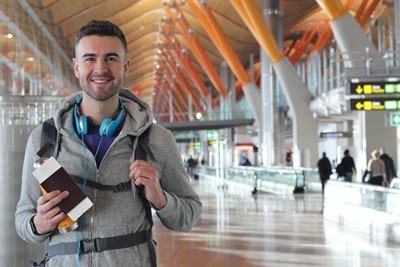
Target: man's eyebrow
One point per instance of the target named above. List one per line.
(94, 55)
(89, 55)
(112, 54)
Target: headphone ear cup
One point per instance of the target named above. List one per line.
(109, 126)
(105, 127)
(82, 125)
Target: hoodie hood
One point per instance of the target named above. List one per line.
(138, 113)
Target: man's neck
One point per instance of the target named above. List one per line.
(96, 110)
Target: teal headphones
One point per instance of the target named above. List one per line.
(107, 127)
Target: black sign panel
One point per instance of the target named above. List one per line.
(371, 104)
(334, 134)
(374, 88)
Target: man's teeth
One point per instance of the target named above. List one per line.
(100, 81)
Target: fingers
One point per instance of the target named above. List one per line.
(141, 170)
(49, 200)
(143, 173)
(48, 211)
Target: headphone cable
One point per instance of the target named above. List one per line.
(85, 178)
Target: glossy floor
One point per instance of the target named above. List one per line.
(237, 229)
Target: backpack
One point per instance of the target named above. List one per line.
(49, 147)
(340, 170)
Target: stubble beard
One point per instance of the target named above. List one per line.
(103, 95)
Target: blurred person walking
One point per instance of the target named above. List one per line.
(377, 170)
(348, 166)
(324, 170)
(389, 165)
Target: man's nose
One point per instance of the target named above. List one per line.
(101, 66)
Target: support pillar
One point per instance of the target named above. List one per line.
(397, 29)
(350, 37)
(272, 133)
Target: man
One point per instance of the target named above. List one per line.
(324, 170)
(348, 166)
(100, 130)
(192, 164)
(389, 165)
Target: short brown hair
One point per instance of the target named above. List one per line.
(101, 28)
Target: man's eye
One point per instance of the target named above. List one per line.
(111, 59)
(89, 59)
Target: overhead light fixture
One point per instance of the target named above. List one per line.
(9, 35)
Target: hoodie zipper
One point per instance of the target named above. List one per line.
(91, 221)
(90, 262)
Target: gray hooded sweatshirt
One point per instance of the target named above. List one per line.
(112, 214)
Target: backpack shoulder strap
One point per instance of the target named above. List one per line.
(143, 150)
(49, 139)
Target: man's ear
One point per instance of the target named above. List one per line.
(126, 68)
(75, 64)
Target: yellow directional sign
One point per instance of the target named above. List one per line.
(368, 104)
(374, 88)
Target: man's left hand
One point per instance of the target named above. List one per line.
(143, 173)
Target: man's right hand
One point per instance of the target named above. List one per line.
(48, 213)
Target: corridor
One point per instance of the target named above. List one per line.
(237, 229)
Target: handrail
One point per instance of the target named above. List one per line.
(395, 183)
(368, 196)
(264, 178)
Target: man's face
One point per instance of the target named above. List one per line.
(100, 65)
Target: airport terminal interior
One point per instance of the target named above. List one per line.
(254, 92)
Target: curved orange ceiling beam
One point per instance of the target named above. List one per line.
(207, 19)
(186, 63)
(309, 36)
(254, 21)
(182, 79)
(360, 11)
(298, 46)
(288, 49)
(184, 82)
(178, 94)
(173, 68)
(324, 36)
(333, 8)
(366, 16)
(192, 73)
(198, 51)
(179, 109)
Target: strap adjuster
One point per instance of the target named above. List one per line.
(89, 245)
(123, 187)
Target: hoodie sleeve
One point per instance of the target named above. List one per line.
(183, 204)
(30, 192)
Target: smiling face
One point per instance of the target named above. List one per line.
(100, 65)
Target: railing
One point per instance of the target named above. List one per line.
(395, 183)
(329, 70)
(369, 208)
(365, 207)
(271, 179)
(372, 197)
(26, 110)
